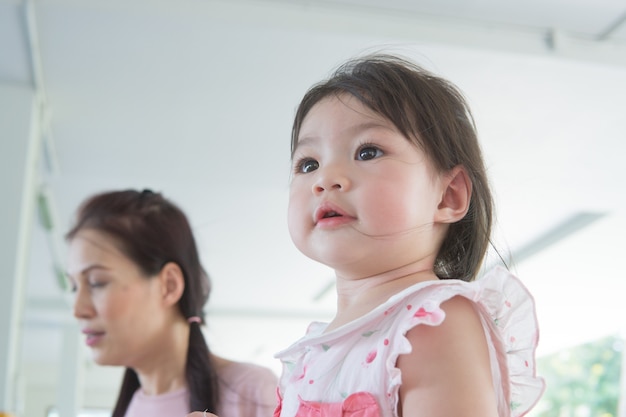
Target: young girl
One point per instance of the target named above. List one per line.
(140, 294)
(389, 189)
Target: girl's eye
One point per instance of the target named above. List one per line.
(307, 165)
(368, 152)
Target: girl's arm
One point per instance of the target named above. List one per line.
(448, 372)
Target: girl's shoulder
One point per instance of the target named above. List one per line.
(451, 357)
(460, 316)
(498, 294)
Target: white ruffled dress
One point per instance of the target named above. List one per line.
(351, 371)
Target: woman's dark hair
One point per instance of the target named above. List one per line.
(432, 114)
(153, 231)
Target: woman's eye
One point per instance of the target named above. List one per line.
(96, 283)
(368, 152)
(307, 165)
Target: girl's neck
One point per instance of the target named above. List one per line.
(356, 297)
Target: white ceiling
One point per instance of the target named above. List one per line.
(194, 98)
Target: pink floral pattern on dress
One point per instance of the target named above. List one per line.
(360, 404)
(429, 313)
(371, 356)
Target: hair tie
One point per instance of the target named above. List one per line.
(194, 319)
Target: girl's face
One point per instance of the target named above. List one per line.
(119, 309)
(363, 198)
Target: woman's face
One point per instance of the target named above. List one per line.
(119, 309)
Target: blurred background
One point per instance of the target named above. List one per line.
(195, 98)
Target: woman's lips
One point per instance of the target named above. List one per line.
(92, 337)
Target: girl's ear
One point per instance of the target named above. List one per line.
(457, 193)
(172, 283)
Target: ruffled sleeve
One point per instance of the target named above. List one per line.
(515, 331)
(507, 312)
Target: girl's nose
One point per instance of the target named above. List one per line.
(331, 179)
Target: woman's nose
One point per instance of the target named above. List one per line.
(83, 307)
(331, 178)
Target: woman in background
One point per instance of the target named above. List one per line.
(140, 290)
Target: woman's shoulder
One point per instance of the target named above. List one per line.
(246, 386)
(236, 372)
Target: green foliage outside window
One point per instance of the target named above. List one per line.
(582, 381)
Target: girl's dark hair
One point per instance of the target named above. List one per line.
(153, 231)
(433, 114)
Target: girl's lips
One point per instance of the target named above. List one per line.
(333, 222)
(329, 215)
